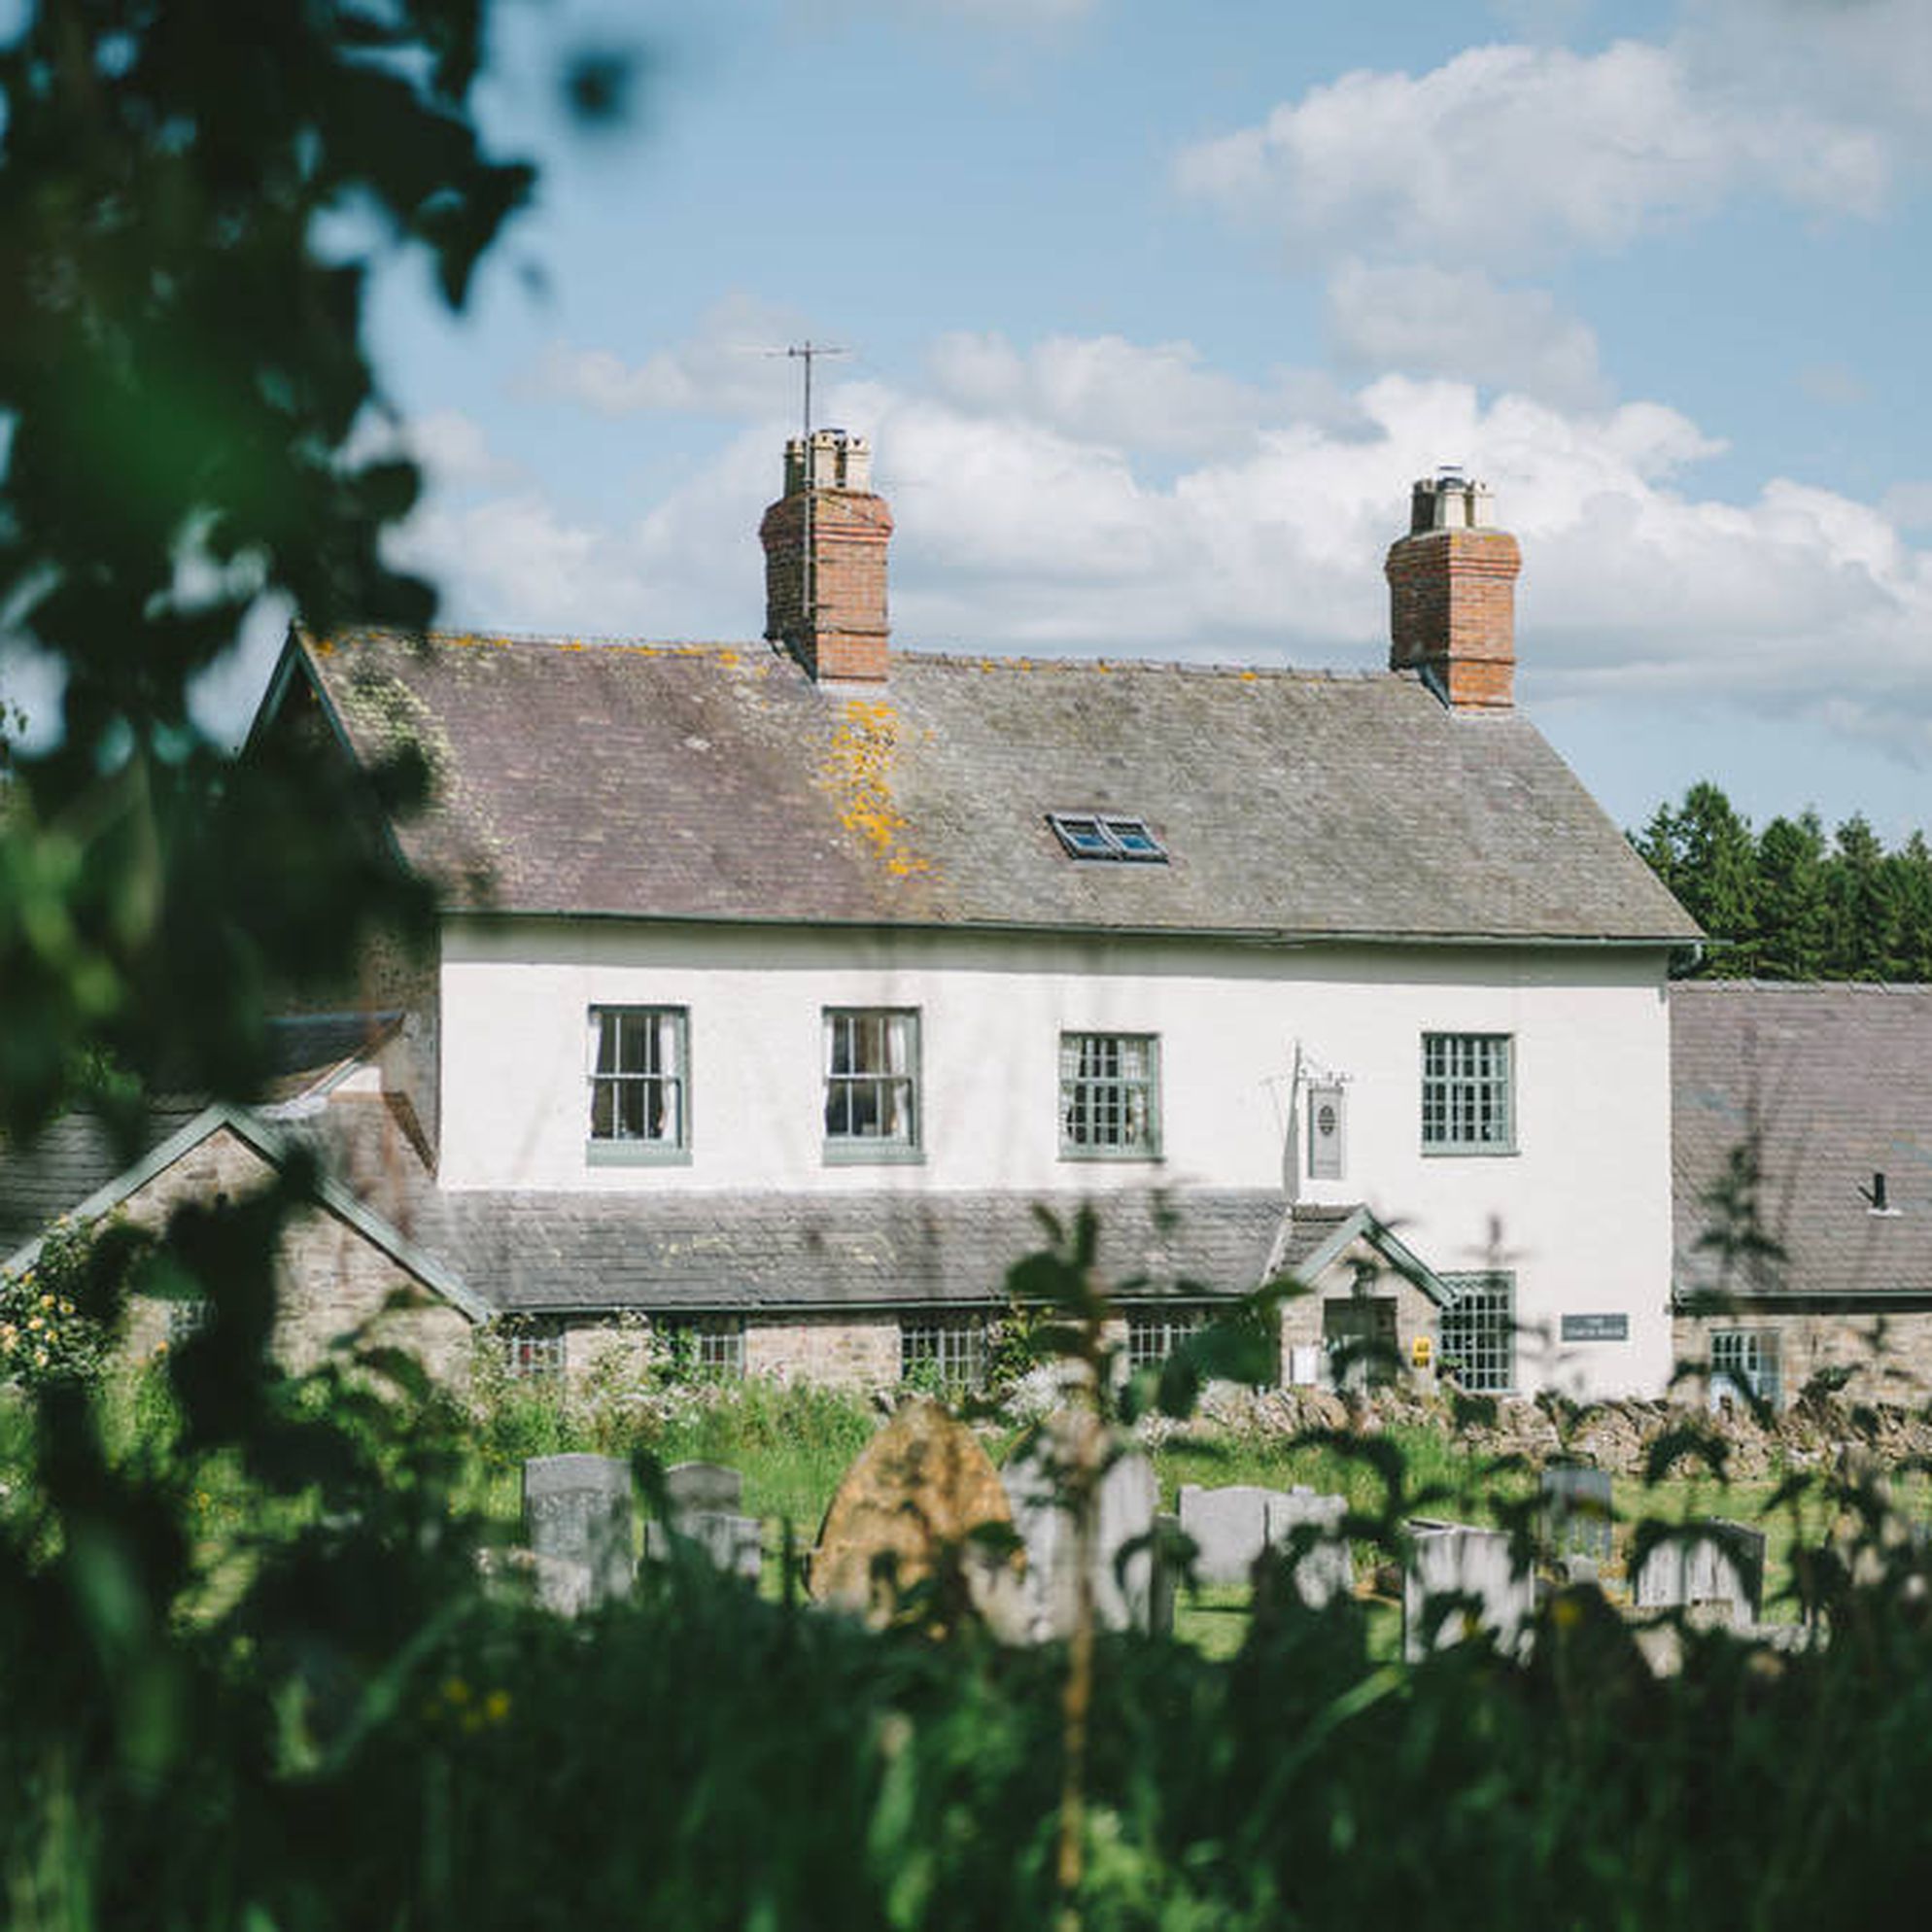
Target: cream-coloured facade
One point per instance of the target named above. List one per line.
(1577, 1210)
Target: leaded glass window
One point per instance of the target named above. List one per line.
(1467, 1097)
(1110, 1095)
(1479, 1333)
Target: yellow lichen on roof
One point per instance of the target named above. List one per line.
(857, 772)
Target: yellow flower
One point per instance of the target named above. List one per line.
(47, 1302)
(455, 1691)
(497, 1706)
(40, 1357)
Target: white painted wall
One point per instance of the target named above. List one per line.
(1581, 1212)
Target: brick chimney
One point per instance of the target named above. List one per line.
(1452, 596)
(825, 560)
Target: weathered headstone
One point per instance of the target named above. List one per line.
(1324, 1569)
(1229, 1527)
(578, 1521)
(706, 1486)
(1456, 1560)
(1578, 1518)
(1123, 1592)
(910, 1501)
(704, 1499)
(1717, 1566)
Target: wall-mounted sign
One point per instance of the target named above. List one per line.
(1596, 1328)
(1421, 1350)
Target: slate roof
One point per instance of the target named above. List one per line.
(718, 782)
(576, 1252)
(1835, 1082)
(75, 1156)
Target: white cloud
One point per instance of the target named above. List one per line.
(1020, 533)
(734, 365)
(1425, 321)
(1507, 152)
(1107, 390)
(454, 451)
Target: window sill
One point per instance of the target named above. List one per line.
(1505, 1152)
(1140, 1156)
(635, 1154)
(872, 1153)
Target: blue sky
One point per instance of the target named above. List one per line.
(1156, 306)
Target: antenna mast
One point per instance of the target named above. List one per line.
(805, 352)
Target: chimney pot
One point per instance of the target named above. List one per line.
(825, 541)
(1452, 593)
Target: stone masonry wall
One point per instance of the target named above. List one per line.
(849, 1351)
(1890, 1355)
(333, 1280)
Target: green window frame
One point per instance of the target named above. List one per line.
(639, 1083)
(1110, 1096)
(1478, 1330)
(872, 1084)
(1468, 1093)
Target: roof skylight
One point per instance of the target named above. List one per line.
(1104, 835)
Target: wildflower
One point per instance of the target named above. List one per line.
(497, 1706)
(455, 1691)
(40, 1357)
(47, 1303)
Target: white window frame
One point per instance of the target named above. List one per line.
(717, 1343)
(1468, 1093)
(1752, 1358)
(535, 1349)
(956, 1344)
(1157, 1331)
(874, 1108)
(662, 1083)
(1110, 1108)
(1479, 1331)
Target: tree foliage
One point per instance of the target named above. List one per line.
(191, 199)
(1790, 902)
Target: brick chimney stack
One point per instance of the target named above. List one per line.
(825, 544)
(1452, 595)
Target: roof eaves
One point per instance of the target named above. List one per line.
(1365, 1225)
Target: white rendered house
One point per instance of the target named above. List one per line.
(777, 981)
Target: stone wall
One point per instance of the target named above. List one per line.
(849, 1351)
(1889, 1354)
(333, 1279)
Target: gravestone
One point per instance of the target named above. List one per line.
(908, 1503)
(1125, 1594)
(706, 1486)
(1229, 1529)
(1326, 1569)
(702, 1500)
(1578, 1518)
(1716, 1566)
(578, 1521)
(1454, 1559)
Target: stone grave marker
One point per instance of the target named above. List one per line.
(1325, 1570)
(703, 1500)
(1229, 1527)
(578, 1521)
(1454, 1559)
(916, 1490)
(1718, 1568)
(1578, 1518)
(1124, 1594)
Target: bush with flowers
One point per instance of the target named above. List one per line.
(59, 1315)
